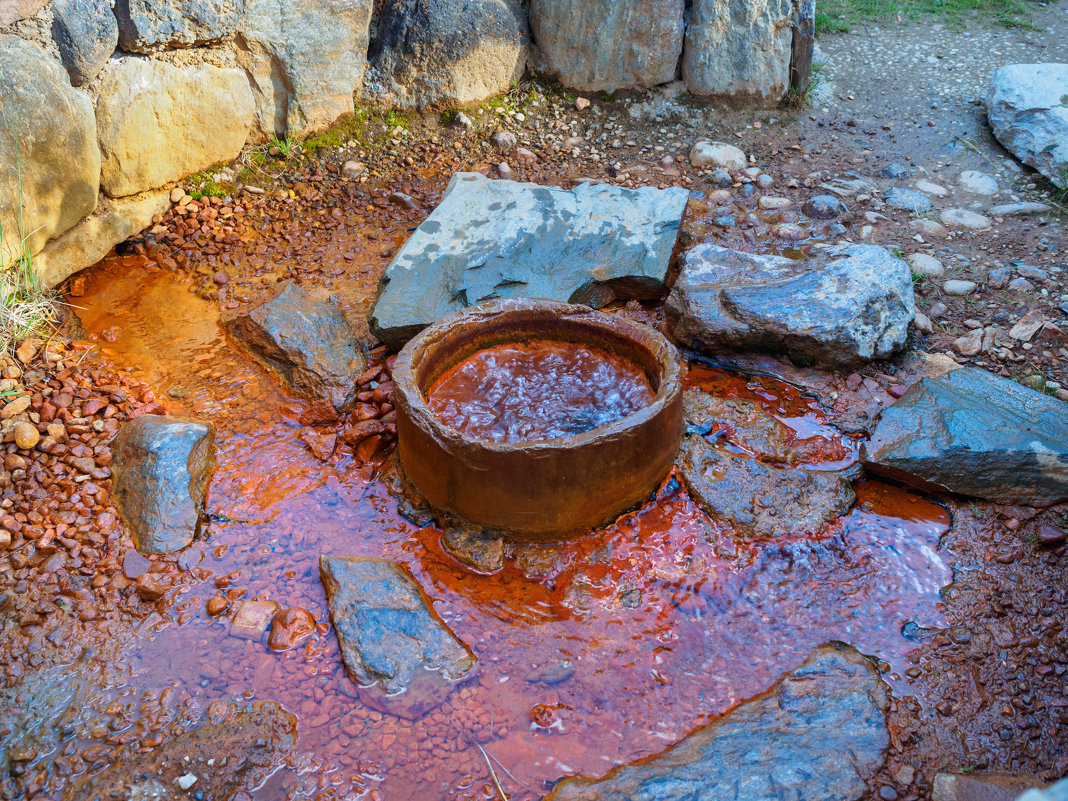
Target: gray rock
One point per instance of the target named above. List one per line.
(998, 277)
(390, 637)
(85, 32)
(923, 264)
(740, 49)
(901, 197)
(823, 207)
(16, 10)
(306, 342)
(304, 59)
(717, 154)
(757, 499)
(1029, 115)
(1056, 792)
(978, 183)
(499, 239)
(161, 471)
(958, 287)
(820, 731)
(962, 218)
(896, 171)
(1019, 209)
(504, 141)
(146, 26)
(721, 178)
(439, 53)
(1020, 285)
(1034, 273)
(973, 433)
(58, 156)
(597, 45)
(844, 305)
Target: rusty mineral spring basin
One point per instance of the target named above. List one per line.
(539, 489)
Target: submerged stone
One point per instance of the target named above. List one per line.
(306, 342)
(974, 433)
(757, 499)
(403, 656)
(161, 471)
(846, 304)
(820, 732)
(500, 239)
(225, 760)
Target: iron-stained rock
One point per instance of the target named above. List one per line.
(149, 25)
(306, 342)
(392, 643)
(157, 122)
(820, 732)
(227, 759)
(437, 53)
(596, 45)
(161, 471)
(500, 239)
(304, 59)
(85, 33)
(974, 433)
(1028, 110)
(757, 499)
(844, 305)
(57, 153)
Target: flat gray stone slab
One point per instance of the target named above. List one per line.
(1027, 105)
(974, 433)
(491, 239)
(401, 654)
(844, 305)
(817, 735)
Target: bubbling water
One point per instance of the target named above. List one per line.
(538, 390)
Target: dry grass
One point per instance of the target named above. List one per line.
(26, 307)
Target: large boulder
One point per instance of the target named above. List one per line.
(393, 645)
(115, 220)
(608, 44)
(149, 25)
(1027, 105)
(85, 33)
(844, 305)
(157, 122)
(740, 48)
(500, 239)
(305, 60)
(971, 432)
(438, 53)
(757, 499)
(48, 135)
(12, 11)
(225, 760)
(306, 342)
(161, 470)
(818, 735)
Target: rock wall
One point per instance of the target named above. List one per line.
(109, 102)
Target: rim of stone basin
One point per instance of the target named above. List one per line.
(542, 489)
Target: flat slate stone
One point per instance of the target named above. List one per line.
(844, 305)
(401, 654)
(1028, 112)
(817, 735)
(161, 470)
(493, 239)
(901, 197)
(757, 499)
(306, 342)
(976, 434)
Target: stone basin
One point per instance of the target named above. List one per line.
(547, 489)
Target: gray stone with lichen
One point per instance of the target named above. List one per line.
(501, 239)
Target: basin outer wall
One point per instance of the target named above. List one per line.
(547, 490)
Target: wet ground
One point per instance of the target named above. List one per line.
(590, 654)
